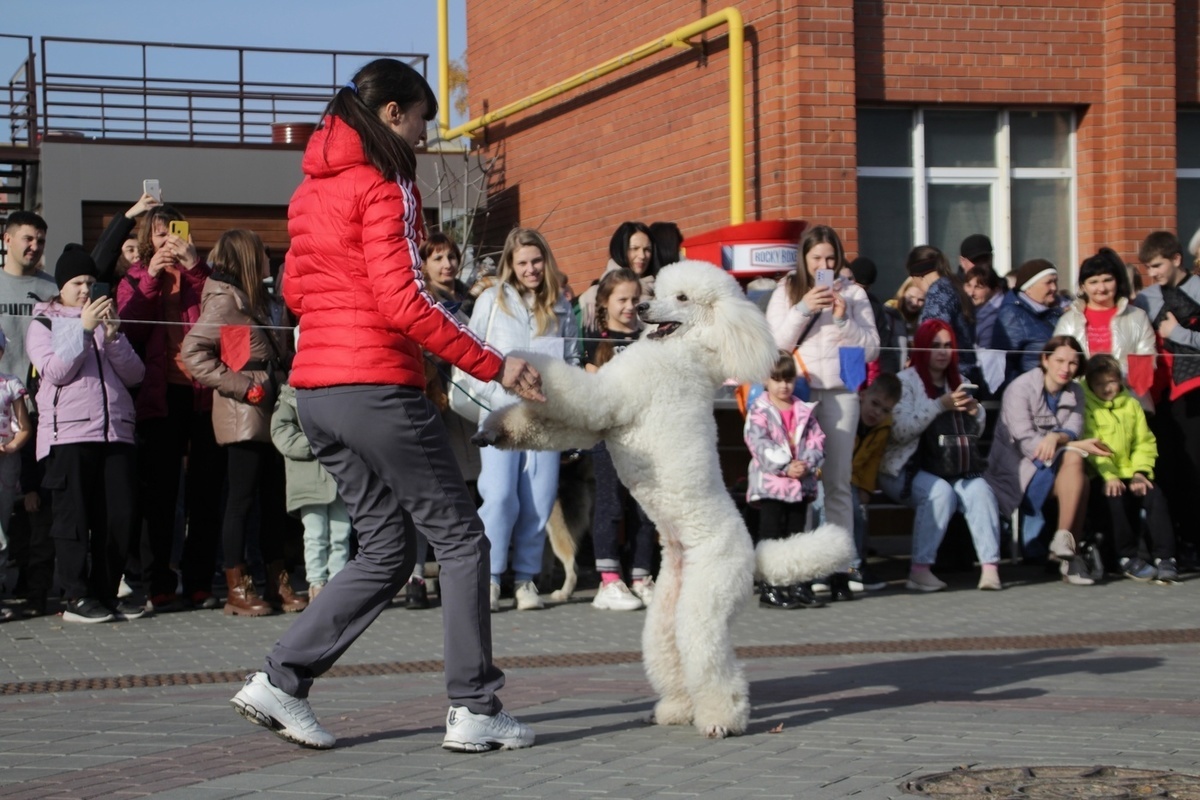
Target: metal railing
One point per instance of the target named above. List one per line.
(155, 92)
(19, 105)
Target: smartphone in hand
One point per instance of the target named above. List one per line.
(150, 186)
(969, 388)
(180, 228)
(98, 291)
(824, 277)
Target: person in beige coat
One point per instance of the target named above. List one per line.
(235, 350)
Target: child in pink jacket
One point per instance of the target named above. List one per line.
(787, 449)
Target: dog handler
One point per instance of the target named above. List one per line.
(353, 276)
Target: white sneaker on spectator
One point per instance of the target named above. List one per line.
(1063, 544)
(924, 581)
(478, 733)
(288, 717)
(494, 596)
(527, 596)
(989, 581)
(644, 589)
(615, 596)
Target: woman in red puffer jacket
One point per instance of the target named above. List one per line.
(353, 277)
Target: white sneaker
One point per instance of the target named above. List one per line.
(528, 598)
(924, 582)
(288, 717)
(644, 589)
(494, 595)
(1063, 544)
(615, 596)
(477, 733)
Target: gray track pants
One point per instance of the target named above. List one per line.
(388, 451)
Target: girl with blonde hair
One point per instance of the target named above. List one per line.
(525, 310)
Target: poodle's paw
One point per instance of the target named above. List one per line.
(559, 596)
(728, 718)
(717, 732)
(672, 711)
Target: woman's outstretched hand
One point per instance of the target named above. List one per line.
(519, 377)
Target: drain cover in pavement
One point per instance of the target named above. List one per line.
(1017, 783)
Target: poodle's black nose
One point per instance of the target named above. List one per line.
(642, 308)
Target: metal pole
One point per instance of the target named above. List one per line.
(677, 38)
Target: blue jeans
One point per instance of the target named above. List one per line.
(518, 488)
(326, 540)
(936, 501)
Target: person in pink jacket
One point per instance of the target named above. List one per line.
(159, 299)
(85, 427)
(819, 319)
(786, 453)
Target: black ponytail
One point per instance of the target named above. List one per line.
(358, 103)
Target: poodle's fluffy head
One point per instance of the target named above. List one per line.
(697, 303)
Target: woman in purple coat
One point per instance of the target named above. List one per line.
(85, 426)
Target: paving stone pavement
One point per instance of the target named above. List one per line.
(909, 685)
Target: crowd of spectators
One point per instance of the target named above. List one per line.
(142, 381)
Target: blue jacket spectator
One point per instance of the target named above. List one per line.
(1027, 317)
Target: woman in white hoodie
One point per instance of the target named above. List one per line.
(524, 310)
(818, 320)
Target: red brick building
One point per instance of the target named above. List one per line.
(1055, 126)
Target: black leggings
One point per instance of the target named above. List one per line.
(163, 444)
(779, 520)
(255, 471)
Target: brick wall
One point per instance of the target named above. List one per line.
(650, 142)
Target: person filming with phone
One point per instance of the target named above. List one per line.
(815, 315)
(159, 299)
(933, 463)
(85, 422)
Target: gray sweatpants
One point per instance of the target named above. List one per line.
(388, 451)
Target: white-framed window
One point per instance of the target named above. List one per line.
(1187, 173)
(935, 176)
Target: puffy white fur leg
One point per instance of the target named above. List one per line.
(660, 651)
(562, 542)
(717, 581)
(804, 556)
(524, 427)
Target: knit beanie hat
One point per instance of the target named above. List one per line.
(864, 271)
(73, 262)
(1033, 271)
(974, 246)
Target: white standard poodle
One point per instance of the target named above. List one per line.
(653, 405)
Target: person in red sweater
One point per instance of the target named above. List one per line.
(353, 277)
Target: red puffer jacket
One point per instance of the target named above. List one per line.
(353, 276)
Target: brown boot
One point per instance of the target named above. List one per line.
(243, 598)
(279, 589)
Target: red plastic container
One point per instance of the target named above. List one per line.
(751, 248)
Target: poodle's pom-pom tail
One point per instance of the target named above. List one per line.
(804, 556)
